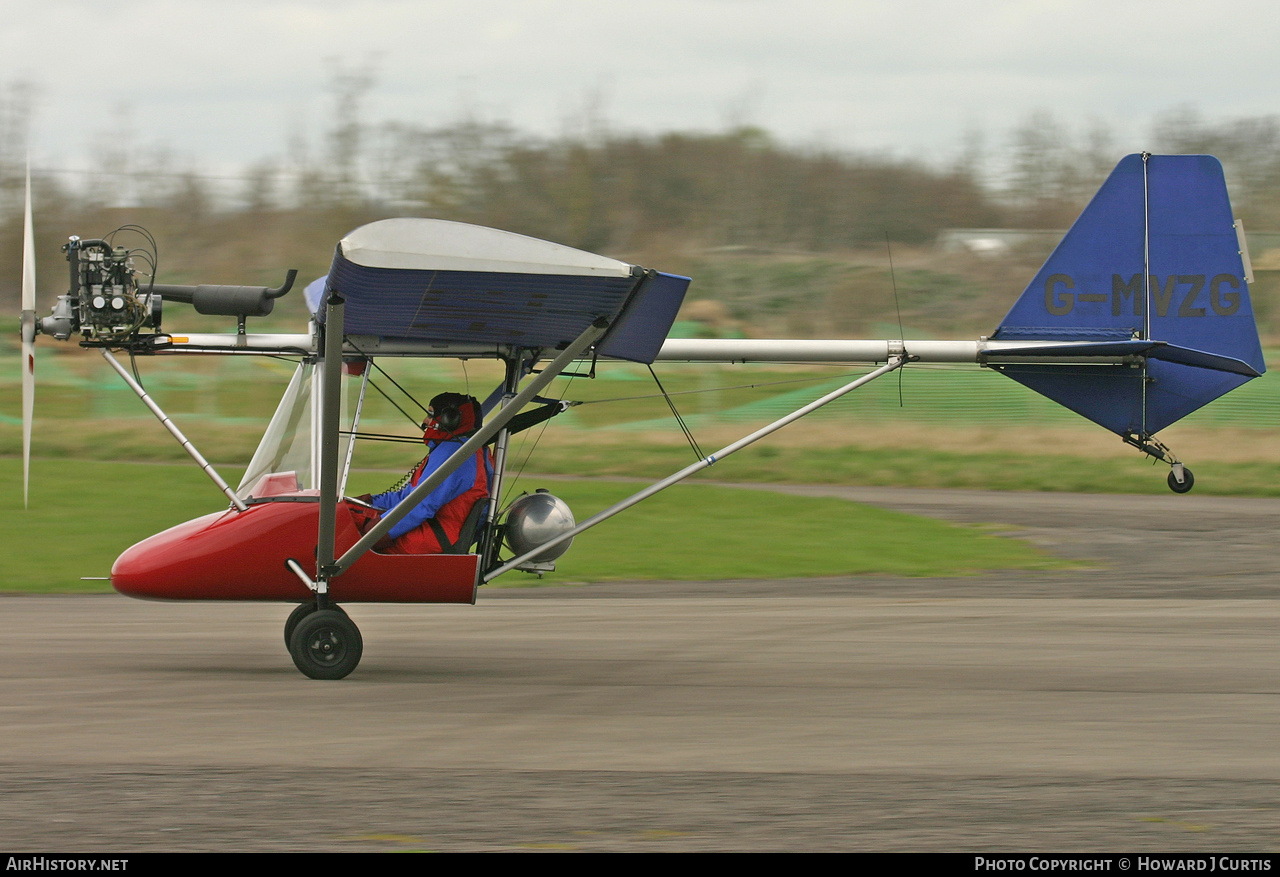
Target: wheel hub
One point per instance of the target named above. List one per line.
(325, 644)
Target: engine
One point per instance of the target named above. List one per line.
(104, 302)
(107, 307)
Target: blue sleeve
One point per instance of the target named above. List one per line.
(458, 483)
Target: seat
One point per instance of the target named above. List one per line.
(471, 528)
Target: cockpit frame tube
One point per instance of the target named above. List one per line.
(489, 543)
(478, 440)
(331, 421)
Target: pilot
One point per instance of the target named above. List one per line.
(435, 524)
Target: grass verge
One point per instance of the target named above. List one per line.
(907, 465)
(84, 513)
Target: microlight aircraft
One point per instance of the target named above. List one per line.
(1140, 316)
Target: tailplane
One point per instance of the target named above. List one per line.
(1154, 274)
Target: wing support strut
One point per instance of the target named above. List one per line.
(174, 431)
(573, 351)
(895, 362)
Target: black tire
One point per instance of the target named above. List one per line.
(326, 644)
(1188, 481)
(301, 611)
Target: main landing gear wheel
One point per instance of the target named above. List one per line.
(326, 644)
(301, 611)
(1188, 481)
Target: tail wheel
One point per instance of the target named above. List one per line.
(1188, 481)
(326, 644)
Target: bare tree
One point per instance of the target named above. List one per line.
(17, 103)
(349, 89)
(1249, 149)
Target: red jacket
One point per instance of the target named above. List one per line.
(450, 516)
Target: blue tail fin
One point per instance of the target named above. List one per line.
(1154, 259)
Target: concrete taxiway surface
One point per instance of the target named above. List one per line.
(1128, 706)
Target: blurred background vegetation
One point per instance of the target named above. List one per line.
(780, 240)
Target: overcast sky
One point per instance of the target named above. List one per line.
(224, 83)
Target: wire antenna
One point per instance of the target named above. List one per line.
(897, 307)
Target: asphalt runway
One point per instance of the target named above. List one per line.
(1128, 706)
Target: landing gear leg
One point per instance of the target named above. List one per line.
(1180, 478)
(325, 643)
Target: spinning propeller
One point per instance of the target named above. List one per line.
(28, 337)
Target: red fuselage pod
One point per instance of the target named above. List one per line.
(235, 555)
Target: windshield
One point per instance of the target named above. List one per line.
(288, 457)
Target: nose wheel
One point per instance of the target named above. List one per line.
(324, 643)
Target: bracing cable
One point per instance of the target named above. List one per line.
(524, 461)
(684, 428)
(394, 382)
